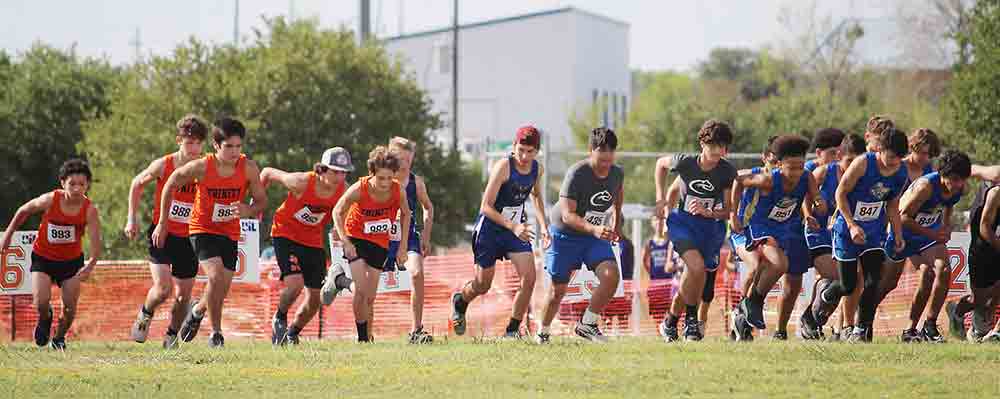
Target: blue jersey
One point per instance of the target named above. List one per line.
(867, 201)
(771, 214)
(658, 256)
(514, 193)
(746, 198)
(930, 214)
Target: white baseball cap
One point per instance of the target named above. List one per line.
(337, 158)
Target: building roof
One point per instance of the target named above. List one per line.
(514, 18)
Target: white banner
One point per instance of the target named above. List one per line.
(395, 281)
(15, 264)
(582, 283)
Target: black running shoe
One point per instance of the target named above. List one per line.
(590, 332)
(931, 333)
(911, 335)
(821, 309)
(669, 333)
(956, 322)
(780, 336)
(216, 340)
(189, 329)
(741, 330)
(808, 330)
(58, 343)
(754, 313)
(292, 339)
(170, 341)
(457, 316)
(419, 336)
(542, 338)
(279, 328)
(692, 330)
(43, 329)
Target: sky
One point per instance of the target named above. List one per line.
(664, 34)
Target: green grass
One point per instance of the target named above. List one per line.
(465, 368)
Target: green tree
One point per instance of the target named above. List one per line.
(299, 89)
(48, 94)
(975, 93)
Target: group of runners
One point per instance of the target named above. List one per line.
(862, 208)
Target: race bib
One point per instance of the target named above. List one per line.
(378, 227)
(62, 234)
(659, 257)
(707, 203)
(867, 211)
(306, 217)
(596, 218)
(512, 213)
(781, 213)
(180, 212)
(927, 219)
(224, 213)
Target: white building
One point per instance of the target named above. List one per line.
(536, 69)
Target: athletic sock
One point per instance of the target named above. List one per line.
(461, 304)
(671, 320)
(171, 331)
(146, 312)
(362, 331)
(281, 315)
(294, 330)
(755, 297)
(691, 311)
(589, 317)
(513, 325)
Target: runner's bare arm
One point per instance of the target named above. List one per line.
(257, 192)
(188, 173)
(498, 176)
(910, 203)
(989, 173)
(536, 198)
(428, 209)
(663, 165)
(404, 224)
(674, 195)
(352, 195)
(895, 220)
(619, 216)
(294, 182)
(153, 171)
(567, 211)
(94, 232)
(38, 204)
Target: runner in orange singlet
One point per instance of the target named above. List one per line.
(365, 214)
(223, 180)
(297, 235)
(57, 254)
(174, 265)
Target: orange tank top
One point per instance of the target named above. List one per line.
(302, 219)
(216, 200)
(60, 235)
(371, 220)
(181, 204)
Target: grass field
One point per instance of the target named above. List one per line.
(466, 368)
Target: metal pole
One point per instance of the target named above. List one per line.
(454, 78)
(364, 22)
(236, 24)
(13, 318)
